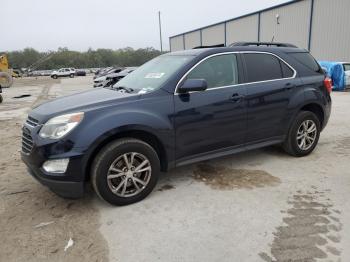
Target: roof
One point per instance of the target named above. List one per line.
(239, 17)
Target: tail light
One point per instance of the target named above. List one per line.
(328, 84)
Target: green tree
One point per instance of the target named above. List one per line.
(64, 57)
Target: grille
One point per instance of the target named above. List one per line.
(32, 121)
(27, 142)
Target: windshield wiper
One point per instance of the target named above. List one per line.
(126, 89)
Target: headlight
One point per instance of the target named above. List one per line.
(60, 126)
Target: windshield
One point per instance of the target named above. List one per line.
(152, 75)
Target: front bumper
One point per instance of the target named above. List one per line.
(65, 189)
(35, 152)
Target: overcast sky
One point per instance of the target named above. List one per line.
(80, 24)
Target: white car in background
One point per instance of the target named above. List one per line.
(101, 81)
(347, 73)
(63, 72)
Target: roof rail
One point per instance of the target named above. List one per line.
(209, 46)
(263, 44)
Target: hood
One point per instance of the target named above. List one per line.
(79, 102)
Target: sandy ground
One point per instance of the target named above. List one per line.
(256, 206)
(35, 224)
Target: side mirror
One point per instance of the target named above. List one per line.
(193, 85)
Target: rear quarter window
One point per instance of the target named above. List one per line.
(307, 60)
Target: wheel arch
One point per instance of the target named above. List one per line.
(316, 109)
(143, 135)
(310, 106)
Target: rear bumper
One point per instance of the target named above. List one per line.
(327, 113)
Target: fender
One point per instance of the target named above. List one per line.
(107, 124)
(309, 95)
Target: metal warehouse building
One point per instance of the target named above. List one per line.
(321, 26)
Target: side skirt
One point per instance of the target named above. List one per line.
(228, 151)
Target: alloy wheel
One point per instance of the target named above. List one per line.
(307, 134)
(129, 174)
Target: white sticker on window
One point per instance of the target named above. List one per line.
(155, 75)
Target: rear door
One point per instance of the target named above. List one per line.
(270, 83)
(214, 119)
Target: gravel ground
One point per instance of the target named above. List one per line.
(256, 206)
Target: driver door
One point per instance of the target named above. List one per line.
(214, 120)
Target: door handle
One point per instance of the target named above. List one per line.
(236, 97)
(289, 86)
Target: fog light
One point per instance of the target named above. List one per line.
(57, 166)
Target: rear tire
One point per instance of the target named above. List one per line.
(1, 99)
(125, 171)
(303, 135)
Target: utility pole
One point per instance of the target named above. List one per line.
(160, 32)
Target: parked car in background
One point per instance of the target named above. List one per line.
(346, 67)
(103, 71)
(338, 72)
(80, 72)
(101, 79)
(112, 79)
(63, 72)
(177, 109)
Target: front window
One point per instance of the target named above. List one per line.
(218, 71)
(152, 75)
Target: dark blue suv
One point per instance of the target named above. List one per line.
(177, 109)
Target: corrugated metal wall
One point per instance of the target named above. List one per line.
(331, 30)
(293, 24)
(213, 35)
(177, 43)
(193, 39)
(244, 29)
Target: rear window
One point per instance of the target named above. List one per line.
(307, 60)
(264, 67)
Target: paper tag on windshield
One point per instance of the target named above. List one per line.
(145, 90)
(155, 75)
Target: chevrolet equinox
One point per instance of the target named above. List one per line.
(179, 108)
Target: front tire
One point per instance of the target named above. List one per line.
(71, 75)
(54, 76)
(125, 171)
(303, 135)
